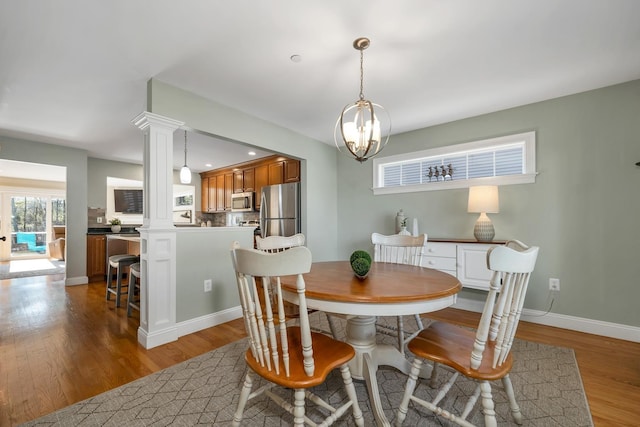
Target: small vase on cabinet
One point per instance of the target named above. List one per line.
(404, 232)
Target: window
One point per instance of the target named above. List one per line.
(497, 161)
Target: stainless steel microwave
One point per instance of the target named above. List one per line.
(242, 202)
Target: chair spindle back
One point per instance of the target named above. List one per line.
(279, 243)
(398, 249)
(269, 341)
(511, 265)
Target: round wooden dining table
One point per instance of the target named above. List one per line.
(388, 290)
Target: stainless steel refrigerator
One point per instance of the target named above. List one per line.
(280, 210)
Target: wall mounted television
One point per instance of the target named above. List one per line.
(128, 201)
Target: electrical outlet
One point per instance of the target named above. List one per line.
(99, 220)
(554, 285)
(207, 285)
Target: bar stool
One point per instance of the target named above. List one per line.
(119, 262)
(134, 275)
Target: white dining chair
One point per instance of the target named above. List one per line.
(483, 355)
(399, 249)
(284, 354)
(273, 244)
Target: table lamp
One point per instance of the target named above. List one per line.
(483, 199)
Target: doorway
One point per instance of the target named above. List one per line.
(32, 206)
(29, 220)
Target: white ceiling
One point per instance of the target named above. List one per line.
(74, 72)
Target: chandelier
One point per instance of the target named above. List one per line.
(358, 129)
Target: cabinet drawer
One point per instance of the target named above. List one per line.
(438, 249)
(439, 263)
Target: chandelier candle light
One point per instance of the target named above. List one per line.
(185, 173)
(359, 128)
(483, 199)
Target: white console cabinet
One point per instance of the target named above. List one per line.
(464, 259)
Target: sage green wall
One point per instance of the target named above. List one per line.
(319, 208)
(204, 254)
(100, 169)
(583, 211)
(76, 163)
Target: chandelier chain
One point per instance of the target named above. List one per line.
(361, 73)
(185, 148)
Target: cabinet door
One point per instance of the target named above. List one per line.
(213, 189)
(276, 173)
(472, 265)
(248, 176)
(204, 194)
(96, 257)
(238, 182)
(220, 186)
(292, 171)
(261, 178)
(229, 181)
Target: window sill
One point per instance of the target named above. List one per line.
(450, 185)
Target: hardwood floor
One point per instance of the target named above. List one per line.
(60, 345)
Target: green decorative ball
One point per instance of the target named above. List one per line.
(360, 254)
(360, 266)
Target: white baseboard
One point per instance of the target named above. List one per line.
(155, 339)
(589, 326)
(203, 322)
(596, 327)
(74, 281)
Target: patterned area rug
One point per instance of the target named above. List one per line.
(30, 267)
(204, 391)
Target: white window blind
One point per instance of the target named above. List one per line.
(504, 160)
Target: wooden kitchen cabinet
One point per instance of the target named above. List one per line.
(220, 189)
(276, 173)
(291, 170)
(208, 193)
(204, 195)
(238, 181)
(261, 179)
(243, 180)
(96, 257)
(228, 190)
(249, 180)
(216, 192)
(213, 189)
(218, 185)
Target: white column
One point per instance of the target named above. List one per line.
(157, 234)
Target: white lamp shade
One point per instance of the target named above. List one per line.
(483, 199)
(185, 175)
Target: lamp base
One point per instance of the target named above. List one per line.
(483, 231)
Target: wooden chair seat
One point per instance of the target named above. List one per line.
(451, 345)
(328, 354)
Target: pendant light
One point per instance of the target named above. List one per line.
(358, 128)
(185, 173)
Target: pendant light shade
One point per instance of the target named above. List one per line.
(363, 127)
(185, 172)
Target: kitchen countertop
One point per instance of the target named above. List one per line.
(132, 230)
(107, 230)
